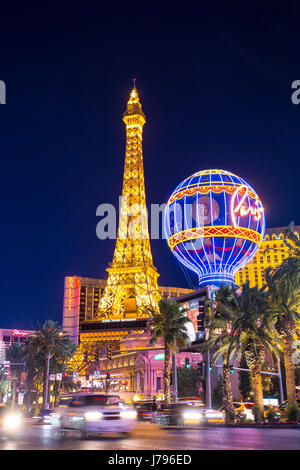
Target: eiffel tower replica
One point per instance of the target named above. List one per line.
(132, 279)
(131, 292)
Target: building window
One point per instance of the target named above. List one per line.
(158, 383)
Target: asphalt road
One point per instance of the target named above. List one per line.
(148, 437)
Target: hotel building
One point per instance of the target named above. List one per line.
(271, 253)
(81, 300)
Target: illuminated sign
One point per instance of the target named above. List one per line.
(241, 208)
(69, 293)
(20, 333)
(157, 357)
(214, 223)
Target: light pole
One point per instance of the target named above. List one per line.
(210, 295)
(174, 368)
(208, 381)
(45, 400)
(46, 404)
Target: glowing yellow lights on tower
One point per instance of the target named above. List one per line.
(132, 278)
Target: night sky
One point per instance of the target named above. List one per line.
(215, 85)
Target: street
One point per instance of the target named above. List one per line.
(148, 437)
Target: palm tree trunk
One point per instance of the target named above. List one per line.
(289, 371)
(258, 390)
(46, 382)
(167, 388)
(227, 392)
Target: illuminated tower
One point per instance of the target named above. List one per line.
(132, 278)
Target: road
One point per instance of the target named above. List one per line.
(148, 437)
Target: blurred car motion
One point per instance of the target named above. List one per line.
(144, 410)
(186, 414)
(93, 413)
(43, 417)
(10, 421)
(242, 409)
(195, 400)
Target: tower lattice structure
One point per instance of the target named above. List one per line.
(132, 290)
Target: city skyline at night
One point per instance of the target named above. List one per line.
(221, 100)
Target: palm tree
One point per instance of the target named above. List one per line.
(3, 382)
(33, 368)
(220, 340)
(253, 334)
(15, 354)
(283, 293)
(242, 327)
(49, 341)
(170, 326)
(292, 241)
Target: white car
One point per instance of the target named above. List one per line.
(93, 413)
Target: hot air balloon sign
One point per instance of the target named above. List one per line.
(214, 223)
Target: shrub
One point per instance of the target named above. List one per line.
(230, 417)
(271, 416)
(293, 412)
(241, 419)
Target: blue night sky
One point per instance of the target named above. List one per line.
(215, 85)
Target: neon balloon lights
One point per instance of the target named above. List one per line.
(214, 223)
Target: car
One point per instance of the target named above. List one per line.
(93, 413)
(43, 417)
(10, 421)
(182, 414)
(242, 409)
(283, 406)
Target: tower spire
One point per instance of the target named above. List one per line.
(132, 278)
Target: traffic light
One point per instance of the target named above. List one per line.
(97, 354)
(66, 375)
(200, 369)
(108, 374)
(210, 367)
(87, 376)
(232, 369)
(187, 363)
(108, 353)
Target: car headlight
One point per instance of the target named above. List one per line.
(130, 414)
(93, 415)
(12, 421)
(192, 416)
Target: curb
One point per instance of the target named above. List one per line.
(263, 426)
